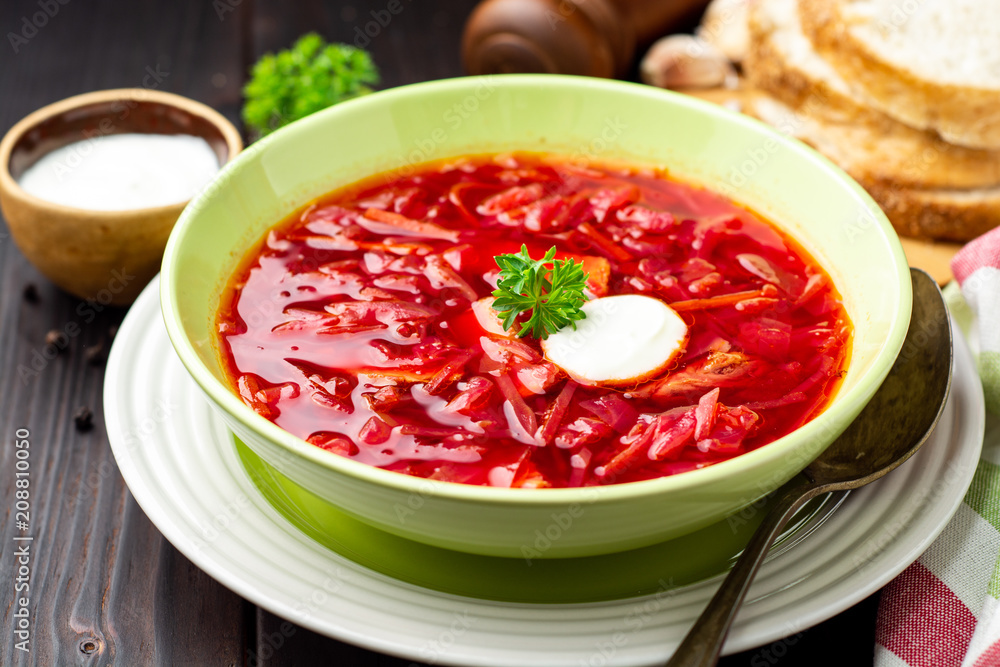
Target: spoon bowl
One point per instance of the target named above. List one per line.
(890, 429)
(901, 415)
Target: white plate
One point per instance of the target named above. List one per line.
(178, 460)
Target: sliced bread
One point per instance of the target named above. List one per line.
(945, 213)
(724, 26)
(782, 61)
(931, 64)
(876, 148)
(940, 214)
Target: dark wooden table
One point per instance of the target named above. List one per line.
(105, 587)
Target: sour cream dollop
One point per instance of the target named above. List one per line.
(123, 171)
(624, 339)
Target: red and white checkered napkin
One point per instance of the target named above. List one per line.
(943, 611)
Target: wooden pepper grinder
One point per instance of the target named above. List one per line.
(587, 37)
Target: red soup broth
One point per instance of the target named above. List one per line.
(351, 325)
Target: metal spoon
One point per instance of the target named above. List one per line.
(888, 431)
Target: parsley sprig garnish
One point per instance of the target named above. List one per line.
(553, 296)
(310, 76)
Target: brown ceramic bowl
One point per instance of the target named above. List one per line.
(105, 256)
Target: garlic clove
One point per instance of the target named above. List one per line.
(725, 26)
(685, 61)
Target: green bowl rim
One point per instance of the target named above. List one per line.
(775, 451)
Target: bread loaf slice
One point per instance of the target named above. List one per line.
(782, 61)
(942, 213)
(724, 26)
(874, 147)
(939, 214)
(931, 64)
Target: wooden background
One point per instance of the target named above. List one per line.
(105, 587)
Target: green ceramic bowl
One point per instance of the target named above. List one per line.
(589, 118)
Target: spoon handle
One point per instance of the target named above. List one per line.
(703, 643)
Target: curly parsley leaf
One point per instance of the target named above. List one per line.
(310, 76)
(553, 296)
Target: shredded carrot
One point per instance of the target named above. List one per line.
(716, 301)
(604, 244)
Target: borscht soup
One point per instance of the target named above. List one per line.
(532, 321)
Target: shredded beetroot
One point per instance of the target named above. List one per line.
(374, 432)
(536, 378)
(426, 431)
(647, 219)
(528, 476)
(622, 462)
(503, 350)
(671, 431)
(441, 275)
(333, 442)
(556, 412)
(385, 399)
(455, 196)
(581, 431)
(449, 373)
(387, 222)
(475, 394)
(732, 427)
(704, 414)
(249, 387)
(610, 199)
(613, 410)
(544, 215)
(525, 416)
(386, 312)
(787, 399)
(364, 325)
(510, 199)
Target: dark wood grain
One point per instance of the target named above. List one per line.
(106, 587)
